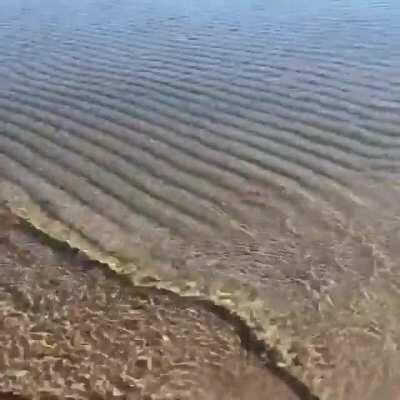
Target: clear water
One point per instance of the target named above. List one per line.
(240, 151)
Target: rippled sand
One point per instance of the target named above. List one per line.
(245, 155)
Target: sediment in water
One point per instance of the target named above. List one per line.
(316, 335)
(72, 329)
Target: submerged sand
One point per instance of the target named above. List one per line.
(244, 155)
(70, 329)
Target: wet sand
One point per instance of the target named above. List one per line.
(70, 329)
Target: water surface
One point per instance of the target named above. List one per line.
(243, 152)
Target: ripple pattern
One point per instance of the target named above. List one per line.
(245, 154)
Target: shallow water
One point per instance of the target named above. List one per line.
(72, 329)
(244, 153)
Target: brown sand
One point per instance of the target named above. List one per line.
(70, 329)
